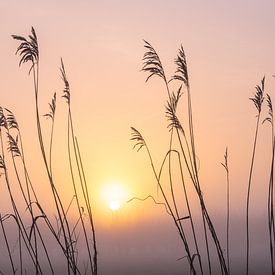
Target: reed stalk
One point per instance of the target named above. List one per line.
(270, 201)
(258, 101)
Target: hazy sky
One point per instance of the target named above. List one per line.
(230, 46)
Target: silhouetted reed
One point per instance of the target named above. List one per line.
(270, 201)
(225, 165)
(31, 228)
(71, 138)
(185, 138)
(68, 235)
(258, 101)
(29, 52)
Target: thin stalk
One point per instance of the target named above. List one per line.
(171, 183)
(7, 245)
(51, 145)
(17, 214)
(248, 193)
(29, 207)
(29, 201)
(28, 182)
(225, 165)
(48, 223)
(182, 75)
(270, 206)
(189, 257)
(70, 132)
(206, 244)
(67, 210)
(188, 206)
(194, 166)
(192, 136)
(271, 209)
(81, 173)
(89, 209)
(227, 222)
(20, 252)
(197, 188)
(57, 200)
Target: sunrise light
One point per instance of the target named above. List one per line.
(114, 195)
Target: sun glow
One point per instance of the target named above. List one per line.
(114, 205)
(114, 195)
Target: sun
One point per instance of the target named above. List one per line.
(114, 194)
(114, 205)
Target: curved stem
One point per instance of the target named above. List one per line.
(88, 204)
(59, 206)
(7, 245)
(189, 257)
(70, 131)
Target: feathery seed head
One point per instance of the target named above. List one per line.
(28, 49)
(3, 121)
(2, 163)
(13, 145)
(67, 93)
(137, 137)
(181, 72)
(152, 63)
(52, 106)
(11, 120)
(259, 96)
(171, 109)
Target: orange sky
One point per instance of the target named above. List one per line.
(229, 47)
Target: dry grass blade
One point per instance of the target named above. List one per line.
(225, 164)
(136, 136)
(171, 109)
(13, 145)
(33, 224)
(156, 202)
(2, 163)
(259, 96)
(181, 72)
(3, 122)
(152, 63)
(11, 120)
(270, 109)
(67, 93)
(28, 49)
(52, 106)
(175, 97)
(172, 118)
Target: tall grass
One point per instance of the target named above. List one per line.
(30, 218)
(258, 101)
(32, 229)
(225, 165)
(270, 201)
(183, 137)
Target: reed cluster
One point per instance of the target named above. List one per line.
(182, 147)
(31, 252)
(35, 225)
